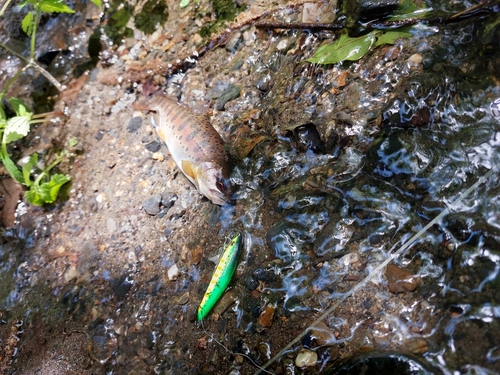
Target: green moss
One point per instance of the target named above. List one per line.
(153, 13)
(119, 15)
(225, 10)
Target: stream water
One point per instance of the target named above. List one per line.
(335, 169)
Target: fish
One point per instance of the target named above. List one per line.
(196, 147)
(221, 277)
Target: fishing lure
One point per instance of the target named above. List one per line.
(221, 277)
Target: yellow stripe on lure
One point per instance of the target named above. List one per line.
(221, 277)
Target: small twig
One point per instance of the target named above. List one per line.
(33, 64)
(299, 25)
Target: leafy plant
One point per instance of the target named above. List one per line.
(44, 188)
(352, 49)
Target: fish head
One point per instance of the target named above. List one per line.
(212, 183)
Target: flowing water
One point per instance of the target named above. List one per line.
(336, 169)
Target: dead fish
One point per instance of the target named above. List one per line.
(196, 147)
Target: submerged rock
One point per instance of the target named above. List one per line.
(306, 358)
(401, 280)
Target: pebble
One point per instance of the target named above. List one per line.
(153, 146)
(415, 58)
(158, 156)
(173, 273)
(122, 285)
(322, 334)
(306, 358)
(134, 124)
(152, 205)
(401, 280)
(70, 274)
(266, 316)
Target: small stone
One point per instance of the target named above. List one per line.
(173, 273)
(158, 156)
(400, 280)
(266, 316)
(306, 358)
(122, 285)
(152, 205)
(322, 334)
(70, 274)
(95, 314)
(415, 59)
(153, 146)
(134, 124)
(196, 254)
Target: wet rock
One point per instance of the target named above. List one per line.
(307, 138)
(267, 276)
(318, 12)
(152, 205)
(279, 239)
(322, 334)
(306, 358)
(401, 280)
(353, 96)
(266, 316)
(122, 285)
(369, 10)
(134, 124)
(153, 146)
(332, 239)
(230, 93)
(263, 82)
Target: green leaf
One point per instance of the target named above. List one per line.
(33, 161)
(72, 142)
(97, 2)
(17, 128)
(184, 3)
(48, 191)
(3, 117)
(344, 48)
(14, 172)
(409, 9)
(390, 37)
(18, 106)
(27, 24)
(56, 6)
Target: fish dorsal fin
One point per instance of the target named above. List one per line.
(188, 169)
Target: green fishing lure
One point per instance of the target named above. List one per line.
(221, 277)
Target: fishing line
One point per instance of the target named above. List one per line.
(376, 270)
(233, 353)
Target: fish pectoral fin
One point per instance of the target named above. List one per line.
(188, 169)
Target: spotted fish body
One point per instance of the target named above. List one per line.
(221, 277)
(195, 146)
